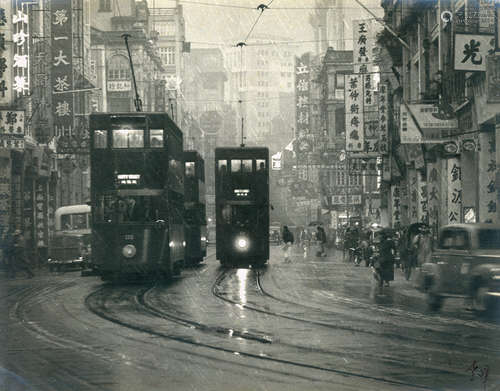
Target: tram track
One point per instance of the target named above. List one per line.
(438, 346)
(95, 302)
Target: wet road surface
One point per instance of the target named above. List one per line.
(312, 324)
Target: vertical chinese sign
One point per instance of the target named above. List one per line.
(42, 232)
(383, 120)
(413, 195)
(396, 206)
(62, 66)
(363, 44)
(5, 190)
(454, 191)
(302, 86)
(20, 39)
(433, 194)
(5, 52)
(422, 199)
(487, 170)
(354, 106)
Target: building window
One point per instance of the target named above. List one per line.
(104, 5)
(118, 68)
(167, 55)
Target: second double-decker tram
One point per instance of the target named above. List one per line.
(195, 223)
(137, 195)
(242, 205)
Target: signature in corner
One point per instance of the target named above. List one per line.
(480, 372)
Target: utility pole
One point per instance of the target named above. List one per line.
(242, 125)
(137, 100)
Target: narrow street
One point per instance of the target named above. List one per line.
(312, 324)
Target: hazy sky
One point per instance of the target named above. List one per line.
(228, 22)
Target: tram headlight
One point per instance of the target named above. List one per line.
(183, 243)
(241, 243)
(203, 238)
(129, 251)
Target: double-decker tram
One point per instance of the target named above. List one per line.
(137, 195)
(195, 223)
(242, 205)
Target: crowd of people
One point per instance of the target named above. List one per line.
(381, 248)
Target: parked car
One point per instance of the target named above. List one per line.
(70, 246)
(466, 264)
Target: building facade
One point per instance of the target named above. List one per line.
(445, 105)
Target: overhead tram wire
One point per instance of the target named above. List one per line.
(274, 8)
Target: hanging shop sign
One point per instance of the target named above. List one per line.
(493, 78)
(487, 212)
(422, 200)
(383, 119)
(5, 188)
(276, 161)
(119, 85)
(354, 109)
(20, 39)
(302, 88)
(27, 212)
(62, 66)
(471, 51)
(6, 53)
(353, 199)
(396, 205)
(454, 191)
(413, 195)
(12, 129)
(371, 131)
(433, 192)
(363, 45)
(386, 168)
(41, 220)
(423, 123)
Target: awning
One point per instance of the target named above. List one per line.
(424, 123)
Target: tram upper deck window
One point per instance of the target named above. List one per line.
(222, 166)
(190, 169)
(156, 138)
(235, 165)
(246, 165)
(100, 139)
(128, 138)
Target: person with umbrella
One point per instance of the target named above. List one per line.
(386, 257)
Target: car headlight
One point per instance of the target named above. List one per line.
(203, 238)
(183, 243)
(241, 243)
(129, 251)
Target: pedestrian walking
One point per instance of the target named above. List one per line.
(288, 242)
(18, 258)
(387, 250)
(321, 238)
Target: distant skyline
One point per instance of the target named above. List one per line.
(224, 23)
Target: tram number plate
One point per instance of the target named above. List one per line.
(464, 269)
(129, 237)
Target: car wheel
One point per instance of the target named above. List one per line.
(434, 301)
